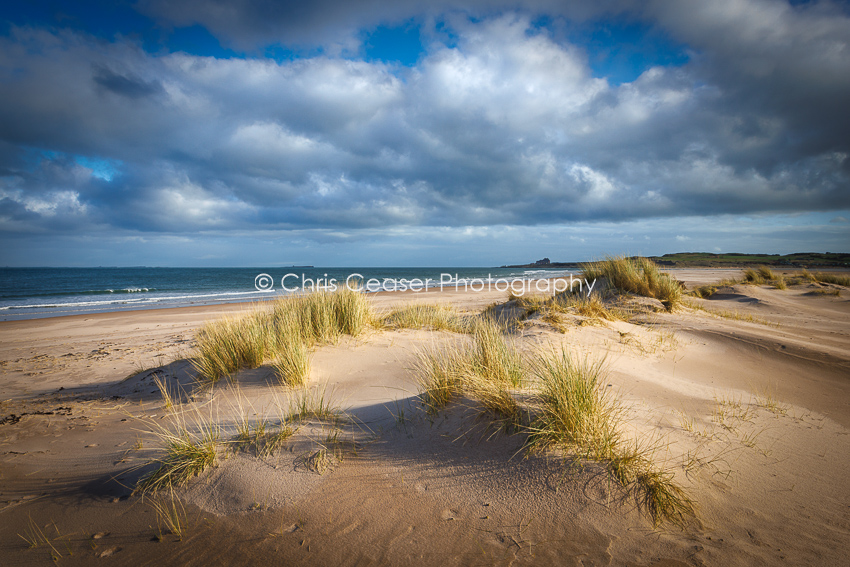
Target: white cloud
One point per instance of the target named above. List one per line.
(598, 186)
(55, 202)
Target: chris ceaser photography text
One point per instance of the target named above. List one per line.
(292, 283)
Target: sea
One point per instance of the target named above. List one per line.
(31, 293)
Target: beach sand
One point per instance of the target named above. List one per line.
(750, 411)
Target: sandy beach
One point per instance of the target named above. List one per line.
(745, 397)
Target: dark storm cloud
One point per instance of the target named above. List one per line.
(505, 126)
(333, 24)
(129, 86)
(778, 66)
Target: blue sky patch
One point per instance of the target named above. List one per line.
(621, 50)
(196, 40)
(105, 169)
(399, 44)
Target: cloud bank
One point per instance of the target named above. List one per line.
(502, 121)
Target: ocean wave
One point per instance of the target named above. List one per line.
(139, 301)
(31, 295)
(549, 272)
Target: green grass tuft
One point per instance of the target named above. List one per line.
(170, 514)
(189, 451)
(316, 404)
(637, 275)
(425, 316)
(487, 367)
(493, 357)
(497, 400)
(292, 363)
(766, 273)
(591, 307)
(282, 334)
(663, 499)
(531, 304)
(836, 279)
(441, 374)
(576, 412)
(228, 344)
(704, 291)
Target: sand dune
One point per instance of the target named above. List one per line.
(746, 396)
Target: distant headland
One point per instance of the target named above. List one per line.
(730, 260)
(546, 263)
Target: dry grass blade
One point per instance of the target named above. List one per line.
(704, 291)
(170, 514)
(264, 440)
(767, 399)
(734, 315)
(319, 461)
(825, 292)
(316, 404)
(35, 537)
(164, 390)
(353, 311)
(760, 275)
(262, 435)
(322, 316)
(663, 499)
(766, 273)
(632, 463)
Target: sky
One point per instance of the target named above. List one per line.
(420, 133)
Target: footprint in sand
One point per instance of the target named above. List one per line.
(109, 551)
